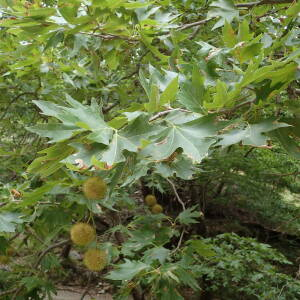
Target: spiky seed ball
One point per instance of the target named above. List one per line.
(95, 259)
(150, 200)
(94, 188)
(157, 209)
(4, 259)
(82, 234)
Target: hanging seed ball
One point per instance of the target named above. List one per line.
(95, 259)
(94, 188)
(157, 209)
(82, 234)
(150, 200)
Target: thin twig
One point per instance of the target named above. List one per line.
(136, 71)
(268, 13)
(179, 242)
(7, 292)
(282, 175)
(165, 112)
(108, 108)
(87, 287)
(190, 25)
(61, 243)
(286, 223)
(231, 110)
(176, 194)
(249, 151)
(13, 100)
(263, 2)
(18, 290)
(33, 233)
(110, 36)
(194, 34)
(14, 237)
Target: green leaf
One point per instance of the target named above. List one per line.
(250, 50)
(154, 99)
(84, 154)
(50, 162)
(229, 37)
(170, 293)
(127, 270)
(244, 32)
(202, 249)
(53, 110)
(147, 42)
(134, 5)
(159, 253)
(112, 59)
(30, 198)
(54, 40)
(55, 131)
(169, 94)
(140, 129)
(4, 244)
(289, 144)
(181, 167)
(9, 221)
(193, 93)
(130, 138)
(187, 278)
(193, 137)
(223, 9)
(250, 134)
(32, 282)
(68, 9)
(221, 98)
(81, 116)
(189, 216)
(114, 153)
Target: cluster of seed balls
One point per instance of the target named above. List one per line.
(151, 201)
(82, 234)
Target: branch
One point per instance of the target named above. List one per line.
(190, 25)
(16, 291)
(179, 242)
(249, 151)
(229, 111)
(13, 100)
(284, 174)
(263, 2)
(241, 5)
(136, 71)
(176, 194)
(110, 36)
(87, 287)
(108, 108)
(7, 292)
(61, 243)
(165, 112)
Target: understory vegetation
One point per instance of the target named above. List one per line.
(150, 149)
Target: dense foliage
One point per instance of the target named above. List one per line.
(195, 103)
